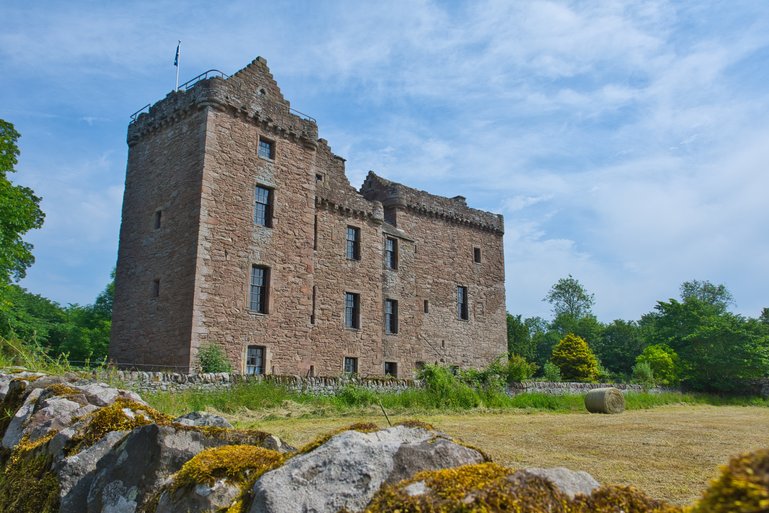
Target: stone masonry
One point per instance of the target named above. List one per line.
(190, 237)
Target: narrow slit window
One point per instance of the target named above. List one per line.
(158, 218)
(391, 316)
(462, 311)
(314, 299)
(477, 255)
(155, 288)
(426, 306)
(391, 253)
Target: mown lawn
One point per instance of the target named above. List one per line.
(670, 452)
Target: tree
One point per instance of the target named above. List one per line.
(718, 350)
(568, 296)
(764, 316)
(620, 343)
(716, 295)
(663, 362)
(575, 359)
(519, 337)
(19, 212)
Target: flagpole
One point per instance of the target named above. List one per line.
(176, 62)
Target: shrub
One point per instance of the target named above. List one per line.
(446, 390)
(519, 369)
(743, 486)
(643, 374)
(551, 372)
(574, 358)
(211, 358)
(663, 361)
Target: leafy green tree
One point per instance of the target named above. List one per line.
(708, 293)
(587, 327)
(519, 337)
(574, 358)
(568, 296)
(619, 345)
(29, 317)
(718, 350)
(19, 212)
(764, 318)
(663, 361)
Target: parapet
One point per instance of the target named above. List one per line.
(251, 93)
(455, 209)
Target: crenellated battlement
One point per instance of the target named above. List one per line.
(251, 93)
(454, 210)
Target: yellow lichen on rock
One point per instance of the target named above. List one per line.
(362, 427)
(628, 499)
(114, 417)
(61, 389)
(238, 464)
(742, 487)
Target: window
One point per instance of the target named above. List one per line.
(353, 243)
(391, 369)
(352, 310)
(314, 299)
(263, 206)
(419, 366)
(477, 255)
(350, 365)
(315, 233)
(391, 316)
(255, 360)
(260, 284)
(155, 288)
(318, 177)
(391, 253)
(427, 306)
(266, 149)
(462, 303)
(391, 216)
(158, 215)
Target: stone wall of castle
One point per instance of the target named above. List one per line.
(195, 156)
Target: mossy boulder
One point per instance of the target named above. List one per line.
(742, 486)
(349, 468)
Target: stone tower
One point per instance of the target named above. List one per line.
(240, 229)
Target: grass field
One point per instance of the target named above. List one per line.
(670, 452)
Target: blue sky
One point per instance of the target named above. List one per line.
(625, 143)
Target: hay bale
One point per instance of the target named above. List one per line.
(605, 400)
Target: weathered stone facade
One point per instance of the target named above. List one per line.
(190, 238)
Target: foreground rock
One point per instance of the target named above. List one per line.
(349, 469)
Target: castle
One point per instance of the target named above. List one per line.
(240, 229)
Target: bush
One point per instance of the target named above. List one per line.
(663, 361)
(446, 390)
(551, 372)
(643, 375)
(211, 358)
(519, 369)
(574, 358)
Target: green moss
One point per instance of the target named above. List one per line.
(27, 484)
(742, 487)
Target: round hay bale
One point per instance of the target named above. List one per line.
(605, 400)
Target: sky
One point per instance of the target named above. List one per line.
(626, 143)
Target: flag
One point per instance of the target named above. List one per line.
(176, 59)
